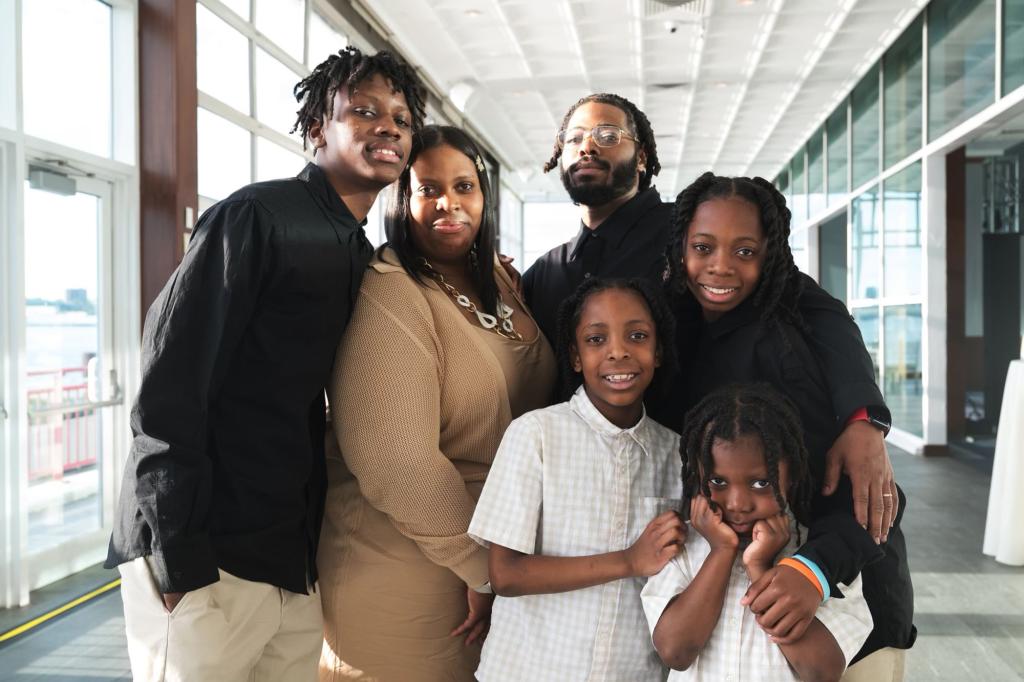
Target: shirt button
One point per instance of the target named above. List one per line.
(586, 275)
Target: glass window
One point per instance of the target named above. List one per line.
(837, 160)
(903, 366)
(816, 173)
(283, 21)
(323, 40)
(274, 161)
(66, 73)
(902, 216)
(1013, 45)
(782, 182)
(798, 245)
(224, 155)
(864, 102)
(867, 276)
(961, 61)
(832, 256)
(797, 172)
(902, 72)
(275, 103)
(867, 320)
(222, 60)
(545, 226)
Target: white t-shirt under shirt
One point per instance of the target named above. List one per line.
(738, 648)
(567, 482)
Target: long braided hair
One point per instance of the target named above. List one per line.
(571, 310)
(348, 68)
(639, 127)
(780, 284)
(748, 410)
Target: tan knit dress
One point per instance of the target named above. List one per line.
(420, 398)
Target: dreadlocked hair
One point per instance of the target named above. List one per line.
(571, 310)
(348, 68)
(399, 214)
(639, 127)
(748, 410)
(780, 285)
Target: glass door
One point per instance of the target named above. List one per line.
(69, 385)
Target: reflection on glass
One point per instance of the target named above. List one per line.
(283, 21)
(865, 250)
(902, 71)
(62, 338)
(323, 40)
(798, 245)
(66, 73)
(224, 155)
(275, 103)
(837, 159)
(832, 256)
(961, 61)
(867, 320)
(274, 161)
(864, 102)
(815, 173)
(222, 60)
(902, 377)
(798, 205)
(1013, 45)
(902, 216)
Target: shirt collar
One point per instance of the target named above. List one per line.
(640, 432)
(321, 188)
(616, 226)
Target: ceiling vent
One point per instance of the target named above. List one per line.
(682, 10)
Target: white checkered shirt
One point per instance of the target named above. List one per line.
(738, 648)
(567, 482)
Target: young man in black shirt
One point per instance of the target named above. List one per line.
(607, 156)
(222, 498)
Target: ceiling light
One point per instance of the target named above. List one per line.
(473, 13)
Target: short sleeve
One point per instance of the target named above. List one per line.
(848, 619)
(509, 508)
(663, 588)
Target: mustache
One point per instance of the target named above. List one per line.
(600, 163)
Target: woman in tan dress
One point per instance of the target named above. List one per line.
(441, 354)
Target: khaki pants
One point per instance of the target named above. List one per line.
(884, 665)
(232, 630)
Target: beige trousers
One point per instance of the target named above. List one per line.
(232, 630)
(884, 665)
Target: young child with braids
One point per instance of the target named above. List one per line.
(735, 293)
(745, 471)
(579, 505)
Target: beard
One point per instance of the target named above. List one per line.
(596, 193)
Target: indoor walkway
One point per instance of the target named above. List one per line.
(970, 609)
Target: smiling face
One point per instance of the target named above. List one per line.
(365, 143)
(594, 175)
(724, 254)
(446, 205)
(740, 484)
(616, 350)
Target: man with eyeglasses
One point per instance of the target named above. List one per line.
(607, 156)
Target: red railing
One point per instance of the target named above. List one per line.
(65, 442)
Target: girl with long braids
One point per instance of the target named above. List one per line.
(746, 475)
(735, 288)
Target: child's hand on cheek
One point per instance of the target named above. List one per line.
(707, 521)
(768, 537)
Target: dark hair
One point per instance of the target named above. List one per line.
(748, 410)
(639, 126)
(780, 285)
(396, 223)
(350, 67)
(571, 309)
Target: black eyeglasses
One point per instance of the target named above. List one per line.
(603, 136)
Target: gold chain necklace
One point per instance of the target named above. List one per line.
(501, 328)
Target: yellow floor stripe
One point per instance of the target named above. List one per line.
(35, 622)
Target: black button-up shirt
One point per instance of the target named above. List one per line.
(739, 348)
(227, 465)
(631, 243)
